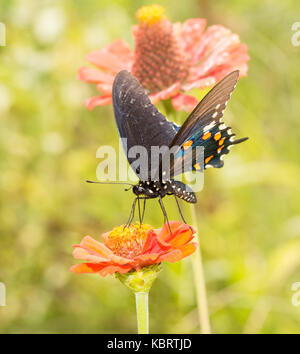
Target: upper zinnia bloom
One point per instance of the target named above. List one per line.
(134, 247)
(168, 59)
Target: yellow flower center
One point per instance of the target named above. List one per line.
(127, 242)
(150, 14)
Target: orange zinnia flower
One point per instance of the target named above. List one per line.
(168, 59)
(134, 247)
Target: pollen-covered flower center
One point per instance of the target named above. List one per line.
(150, 14)
(159, 59)
(127, 242)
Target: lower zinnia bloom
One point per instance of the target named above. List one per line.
(168, 59)
(133, 248)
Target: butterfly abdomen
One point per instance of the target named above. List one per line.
(182, 191)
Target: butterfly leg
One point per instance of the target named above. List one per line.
(179, 209)
(144, 208)
(131, 215)
(180, 212)
(164, 212)
(139, 207)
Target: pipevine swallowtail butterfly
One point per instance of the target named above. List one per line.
(140, 122)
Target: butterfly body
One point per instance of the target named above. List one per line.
(155, 189)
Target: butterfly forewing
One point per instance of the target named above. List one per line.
(138, 120)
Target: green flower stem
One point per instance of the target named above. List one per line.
(199, 281)
(140, 282)
(142, 312)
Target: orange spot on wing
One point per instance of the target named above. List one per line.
(208, 158)
(217, 136)
(187, 144)
(197, 166)
(206, 136)
(221, 142)
(220, 148)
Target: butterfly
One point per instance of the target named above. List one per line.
(141, 124)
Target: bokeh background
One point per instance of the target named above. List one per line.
(248, 212)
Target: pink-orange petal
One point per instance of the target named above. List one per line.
(164, 232)
(166, 93)
(151, 244)
(122, 50)
(92, 102)
(209, 41)
(176, 231)
(146, 259)
(182, 237)
(188, 249)
(184, 102)
(87, 268)
(120, 260)
(171, 256)
(191, 33)
(106, 89)
(114, 57)
(178, 253)
(94, 75)
(89, 243)
(105, 61)
(202, 83)
(111, 269)
(80, 253)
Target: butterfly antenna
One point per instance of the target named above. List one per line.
(128, 184)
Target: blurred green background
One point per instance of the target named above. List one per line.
(248, 212)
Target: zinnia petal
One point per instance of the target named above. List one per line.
(177, 254)
(188, 249)
(106, 89)
(166, 93)
(92, 102)
(202, 83)
(164, 232)
(111, 269)
(89, 243)
(87, 268)
(94, 75)
(191, 33)
(181, 236)
(171, 256)
(147, 259)
(81, 253)
(184, 102)
(115, 57)
(102, 269)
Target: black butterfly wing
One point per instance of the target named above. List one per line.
(210, 109)
(215, 143)
(138, 119)
(203, 128)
